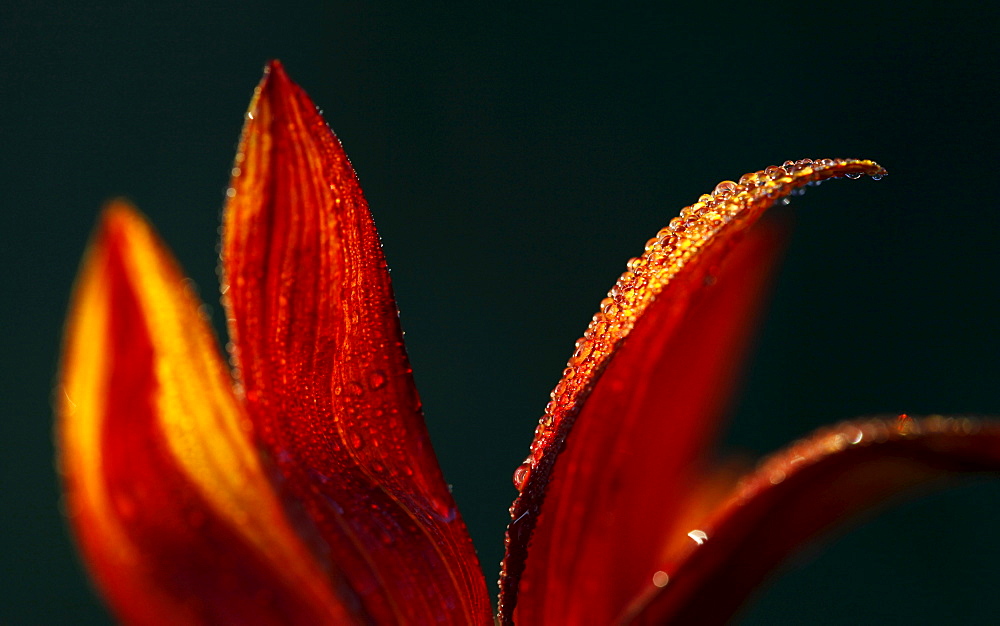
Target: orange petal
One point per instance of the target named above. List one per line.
(326, 379)
(797, 494)
(620, 447)
(169, 500)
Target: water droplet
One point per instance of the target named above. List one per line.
(583, 350)
(853, 175)
(356, 440)
(854, 435)
(444, 511)
(376, 379)
(906, 425)
(660, 578)
(521, 475)
(636, 264)
(878, 176)
(699, 536)
(724, 189)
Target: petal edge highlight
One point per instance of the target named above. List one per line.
(671, 284)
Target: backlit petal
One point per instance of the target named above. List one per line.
(172, 507)
(618, 455)
(797, 494)
(326, 380)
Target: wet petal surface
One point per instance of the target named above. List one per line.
(325, 377)
(617, 464)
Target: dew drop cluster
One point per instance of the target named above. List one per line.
(666, 254)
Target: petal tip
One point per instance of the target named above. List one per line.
(117, 211)
(120, 221)
(274, 71)
(275, 78)
(274, 84)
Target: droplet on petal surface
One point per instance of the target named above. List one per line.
(699, 536)
(376, 380)
(598, 399)
(521, 475)
(724, 189)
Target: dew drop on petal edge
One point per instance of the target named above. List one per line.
(521, 475)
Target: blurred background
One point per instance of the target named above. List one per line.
(515, 156)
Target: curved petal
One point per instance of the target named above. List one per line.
(802, 491)
(169, 501)
(327, 384)
(639, 402)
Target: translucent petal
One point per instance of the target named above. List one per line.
(172, 506)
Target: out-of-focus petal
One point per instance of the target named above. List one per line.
(618, 455)
(174, 511)
(326, 380)
(798, 493)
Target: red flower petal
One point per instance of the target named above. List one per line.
(170, 503)
(640, 403)
(797, 494)
(325, 376)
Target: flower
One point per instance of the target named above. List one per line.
(299, 485)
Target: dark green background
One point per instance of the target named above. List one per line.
(515, 157)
